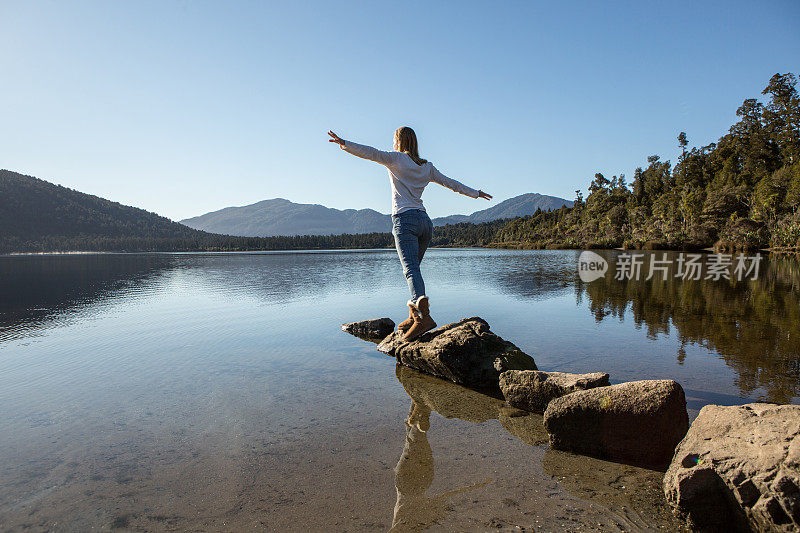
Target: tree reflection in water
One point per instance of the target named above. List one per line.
(754, 325)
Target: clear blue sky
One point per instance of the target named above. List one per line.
(187, 107)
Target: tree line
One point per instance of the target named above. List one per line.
(739, 193)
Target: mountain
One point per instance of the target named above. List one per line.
(518, 206)
(282, 217)
(37, 211)
(39, 216)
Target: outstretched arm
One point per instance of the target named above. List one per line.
(457, 186)
(362, 150)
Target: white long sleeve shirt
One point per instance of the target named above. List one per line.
(408, 179)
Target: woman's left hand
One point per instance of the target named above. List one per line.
(335, 139)
(482, 194)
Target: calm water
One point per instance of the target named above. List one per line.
(217, 392)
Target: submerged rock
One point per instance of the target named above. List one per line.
(464, 352)
(372, 330)
(639, 422)
(738, 469)
(532, 390)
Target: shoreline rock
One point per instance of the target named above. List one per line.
(464, 352)
(532, 390)
(639, 422)
(374, 330)
(738, 469)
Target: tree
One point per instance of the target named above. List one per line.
(782, 115)
(683, 141)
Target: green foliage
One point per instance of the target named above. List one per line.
(741, 192)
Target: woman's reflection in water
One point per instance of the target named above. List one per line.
(414, 475)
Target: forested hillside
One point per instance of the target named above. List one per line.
(741, 192)
(36, 214)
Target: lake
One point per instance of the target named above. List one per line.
(217, 391)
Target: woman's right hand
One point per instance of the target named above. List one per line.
(482, 194)
(335, 138)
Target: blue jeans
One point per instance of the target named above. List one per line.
(412, 232)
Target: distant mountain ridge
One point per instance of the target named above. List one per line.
(279, 216)
(518, 206)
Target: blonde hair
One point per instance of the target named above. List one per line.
(405, 140)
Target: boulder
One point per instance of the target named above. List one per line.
(532, 390)
(639, 422)
(372, 330)
(738, 469)
(464, 352)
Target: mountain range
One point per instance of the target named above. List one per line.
(39, 216)
(283, 217)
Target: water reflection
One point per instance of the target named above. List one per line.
(632, 496)
(39, 291)
(552, 272)
(454, 401)
(283, 277)
(414, 510)
(753, 325)
(414, 473)
(164, 355)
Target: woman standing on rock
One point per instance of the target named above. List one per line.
(411, 226)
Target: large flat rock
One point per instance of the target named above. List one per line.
(738, 469)
(465, 352)
(638, 422)
(532, 390)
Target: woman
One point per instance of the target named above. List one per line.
(411, 226)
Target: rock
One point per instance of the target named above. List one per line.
(464, 352)
(639, 422)
(372, 330)
(738, 469)
(532, 390)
